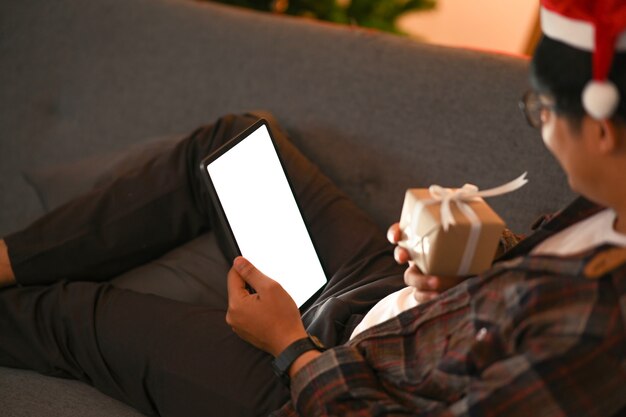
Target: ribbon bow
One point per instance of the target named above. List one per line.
(465, 194)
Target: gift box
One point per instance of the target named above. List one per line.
(452, 232)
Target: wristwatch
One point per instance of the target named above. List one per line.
(287, 357)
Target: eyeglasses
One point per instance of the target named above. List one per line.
(533, 105)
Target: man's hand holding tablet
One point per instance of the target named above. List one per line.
(269, 318)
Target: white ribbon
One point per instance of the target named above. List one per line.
(465, 194)
(461, 197)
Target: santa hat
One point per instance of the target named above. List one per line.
(597, 26)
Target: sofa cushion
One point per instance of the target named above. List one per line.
(28, 394)
(57, 183)
(378, 113)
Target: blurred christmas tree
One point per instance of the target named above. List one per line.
(378, 14)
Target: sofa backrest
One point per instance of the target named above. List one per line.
(379, 113)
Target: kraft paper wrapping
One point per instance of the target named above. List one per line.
(439, 252)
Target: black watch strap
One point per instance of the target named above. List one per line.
(287, 357)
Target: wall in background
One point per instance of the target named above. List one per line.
(501, 25)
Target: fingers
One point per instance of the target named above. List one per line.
(241, 273)
(414, 278)
(394, 234)
(426, 287)
(269, 319)
(424, 296)
(250, 274)
(401, 255)
(236, 285)
(421, 282)
(430, 287)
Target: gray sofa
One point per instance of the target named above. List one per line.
(82, 81)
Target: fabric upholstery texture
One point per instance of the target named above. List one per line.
(57, 183)
(379, 113)
(27, 394)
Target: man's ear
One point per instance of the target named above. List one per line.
(611, 136)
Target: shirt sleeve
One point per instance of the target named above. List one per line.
(553, 376)
(341, 383)
(544, 366)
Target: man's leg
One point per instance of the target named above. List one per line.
(160, 356)
(165, 203)
(136, 218)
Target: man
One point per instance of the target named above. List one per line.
(543, 331)
(525, 336)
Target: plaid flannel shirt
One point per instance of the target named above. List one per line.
(535, 335)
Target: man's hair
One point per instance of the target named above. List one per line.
(562, 72)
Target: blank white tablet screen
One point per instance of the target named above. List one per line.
(264, 217)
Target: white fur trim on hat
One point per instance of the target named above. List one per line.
(600, 99)
(577, 33)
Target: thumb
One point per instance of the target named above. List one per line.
(236, 285)
(250, 273)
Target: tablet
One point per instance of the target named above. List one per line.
(259, 214)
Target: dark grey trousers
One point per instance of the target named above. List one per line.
(162, 356)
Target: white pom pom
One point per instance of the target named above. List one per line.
(600, 99)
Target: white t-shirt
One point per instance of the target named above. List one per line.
(591, 232)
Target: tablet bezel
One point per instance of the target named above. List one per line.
(224, 230)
